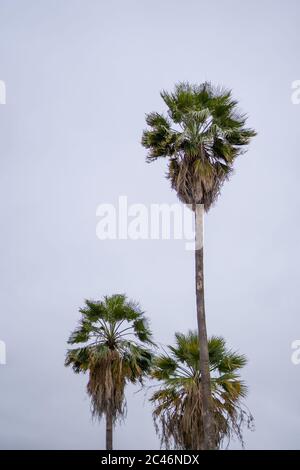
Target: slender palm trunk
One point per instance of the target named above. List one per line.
(109, 429)
(202, 333)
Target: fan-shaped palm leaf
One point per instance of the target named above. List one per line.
(116, 339)
(201, 136)
(178, 408)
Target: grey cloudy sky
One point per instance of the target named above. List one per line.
(80, 76)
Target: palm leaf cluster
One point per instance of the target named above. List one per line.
(201, 135)
(178, 408)
(115, 340)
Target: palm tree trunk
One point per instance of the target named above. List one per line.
(109, 429)
(202, 333)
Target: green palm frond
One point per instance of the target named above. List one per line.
(178, 411)
(115, 338)
(202, 135)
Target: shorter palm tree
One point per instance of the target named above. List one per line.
(178, 402)
(114, 334)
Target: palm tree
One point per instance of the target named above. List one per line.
(201, 135)
(113, 333)
(179, 399)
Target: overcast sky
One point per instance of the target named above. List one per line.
(80, 76)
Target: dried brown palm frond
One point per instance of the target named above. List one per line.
(106, 385)
(178, 404)
(201, 136)
(196, 181)
(114, 333)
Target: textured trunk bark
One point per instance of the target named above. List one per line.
(204, 358)
(109, 430)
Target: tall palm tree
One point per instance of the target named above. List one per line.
(178, 401)
(201, 136)
(115, 340)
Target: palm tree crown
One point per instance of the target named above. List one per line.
(202, 135)
(114, 333)
(178, 401)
